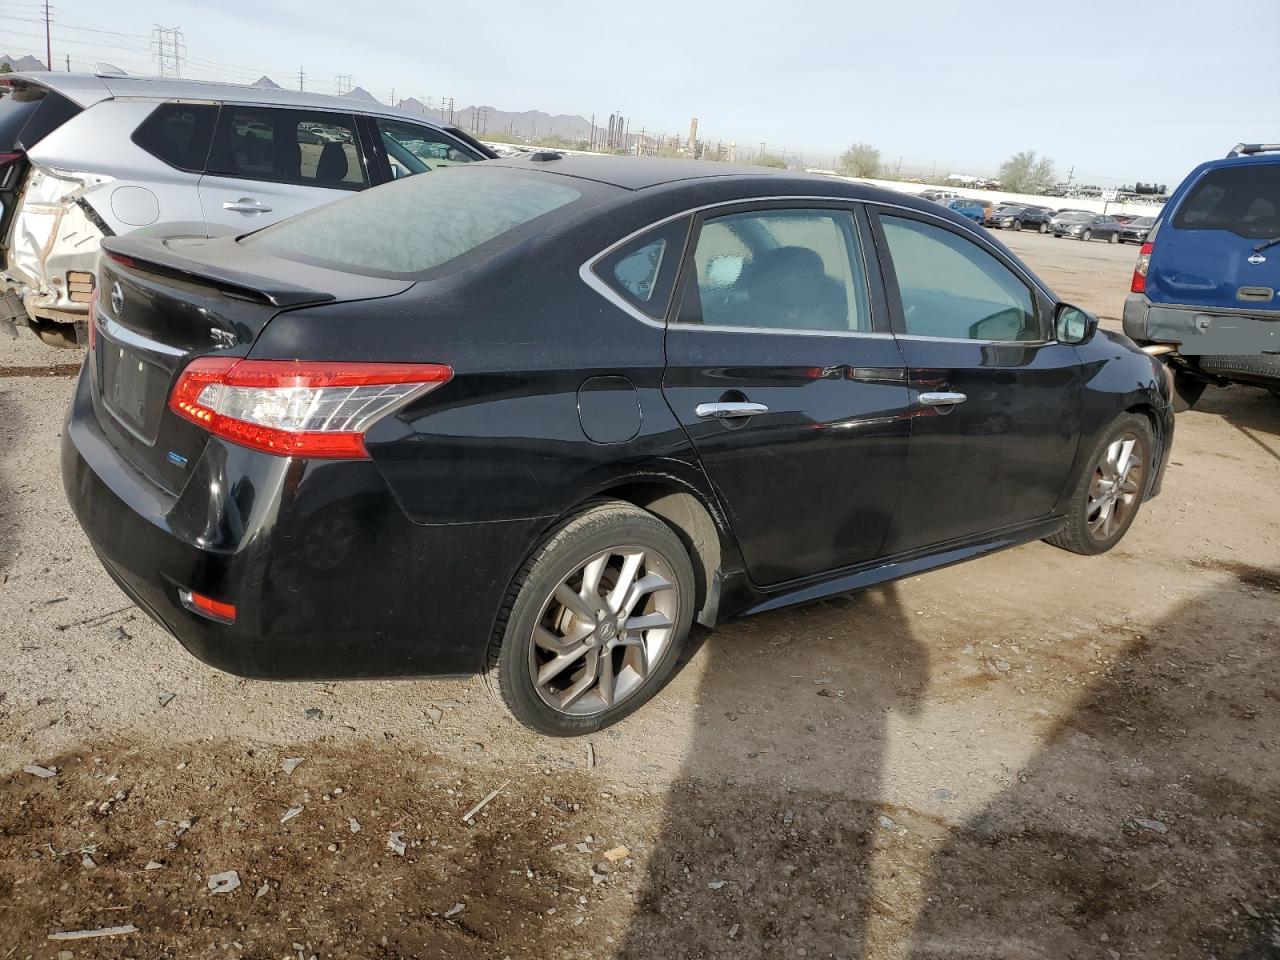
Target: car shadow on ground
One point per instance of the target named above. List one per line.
(767, 838)
(1254, 412)
(1148, 825)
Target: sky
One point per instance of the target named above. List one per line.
(1116, 91)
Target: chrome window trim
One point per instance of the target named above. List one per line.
(600, 286)
(996, 343)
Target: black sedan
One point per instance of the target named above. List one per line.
(1136, 230)
(1017, 216)
(533, 418)
(1087, 226)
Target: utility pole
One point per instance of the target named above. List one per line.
(48, 42)
(68, 63)
(301, 76)
(393, 97)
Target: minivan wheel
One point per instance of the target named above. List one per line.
(594, 622)
(1107, 496)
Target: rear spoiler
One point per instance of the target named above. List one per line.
(157, 256)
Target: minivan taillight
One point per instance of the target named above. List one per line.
(298, 408)
(1139, 284)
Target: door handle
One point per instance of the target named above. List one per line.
(942, 399)
(727, 410)
(245, 205)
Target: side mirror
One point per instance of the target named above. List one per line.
(1074, 326)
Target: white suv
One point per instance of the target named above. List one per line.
(88, 156)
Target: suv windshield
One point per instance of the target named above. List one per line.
(406, 228)
(1243, 199)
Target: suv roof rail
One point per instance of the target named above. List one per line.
(1249, 149)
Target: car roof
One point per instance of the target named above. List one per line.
(637, 173)
(86, 89)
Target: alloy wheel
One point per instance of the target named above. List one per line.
(1116, 488)
(603, 630)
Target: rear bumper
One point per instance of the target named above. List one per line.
(330, 579)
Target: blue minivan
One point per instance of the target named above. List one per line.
(1206, 290)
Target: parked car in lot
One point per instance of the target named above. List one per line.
(600, 398)
(941, 196)
(85, 157)
(1017, 216)
(1087, 226)
(1136, 230)
(975, 210)
(1204, 291)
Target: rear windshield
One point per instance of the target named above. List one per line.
(1243, 200)
(408, 227)
(29, 113)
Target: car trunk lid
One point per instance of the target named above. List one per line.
(163, 303)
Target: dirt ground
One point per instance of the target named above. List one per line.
(1033, 755)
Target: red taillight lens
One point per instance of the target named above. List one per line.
(1139, 284)
(298, 408)
(10, 157)
(207, 606)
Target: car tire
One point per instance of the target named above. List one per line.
(1187, 391)
(1087, 235)
(1113, 238)
(1017, 226)
(535, 629)
(1044, 228)
(1097, 518)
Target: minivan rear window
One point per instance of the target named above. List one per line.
(1244, 200)
(30, 112)
(407, 227)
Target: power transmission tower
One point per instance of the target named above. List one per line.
(342, 84)
(301, 76)
(168, 49)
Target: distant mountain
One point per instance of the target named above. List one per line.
(413, 105)
(23, 63)
(266, 83)
(529, 123)
(360, 93)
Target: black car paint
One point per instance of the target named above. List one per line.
(396, 566)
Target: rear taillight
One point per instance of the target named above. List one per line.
(1139, 284)
(9, 157)
(298, 408)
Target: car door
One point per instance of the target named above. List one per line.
(269, 163)
(782, 369)
(997, 403)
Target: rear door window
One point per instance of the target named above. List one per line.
(304, 147)
(415, 148)
(30, 112)
(1244, 200)
(784, 269)
(179, 134)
